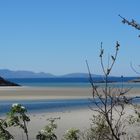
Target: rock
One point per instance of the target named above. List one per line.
(4, 82)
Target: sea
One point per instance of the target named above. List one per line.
(75, 82)
(63, 105)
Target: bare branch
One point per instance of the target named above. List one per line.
(134, 69)
(132, 23)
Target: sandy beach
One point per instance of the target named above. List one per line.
(68, 119)
(77, 118)
(33, 93)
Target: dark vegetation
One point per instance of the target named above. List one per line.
(4, 82)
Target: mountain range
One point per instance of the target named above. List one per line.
(6, 73)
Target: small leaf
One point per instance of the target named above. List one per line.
(113, 58)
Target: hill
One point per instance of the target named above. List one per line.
(79, 75)
(23, 74)
(29, 74)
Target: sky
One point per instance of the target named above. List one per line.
(57, 36)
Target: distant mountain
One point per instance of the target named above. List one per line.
(79, 75)
(23, 74)
(29, 74)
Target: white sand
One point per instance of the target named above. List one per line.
(69, 119)
(27, 93)
(80, 119)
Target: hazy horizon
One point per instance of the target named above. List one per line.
(57, 75)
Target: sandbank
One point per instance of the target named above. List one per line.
(35, 93)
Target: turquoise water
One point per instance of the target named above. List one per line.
(74, 82)
(57, 105)
(60, 105)
(54, 105)
(82, 85)
(120, 85)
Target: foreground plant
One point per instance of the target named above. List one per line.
(48, 133)
(4, 134)
(99, 129)
(18, 117)
(72, 134)
(108, 123)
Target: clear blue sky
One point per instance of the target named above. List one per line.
(56, 36)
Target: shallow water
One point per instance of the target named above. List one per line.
(58, 105)
(74, 82)
(45, 105)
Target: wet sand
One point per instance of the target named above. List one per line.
(33, 93)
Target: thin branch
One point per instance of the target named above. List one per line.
(95, 102)
(132, 23)
(101, 56)
(134, 69)
(94, 87)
